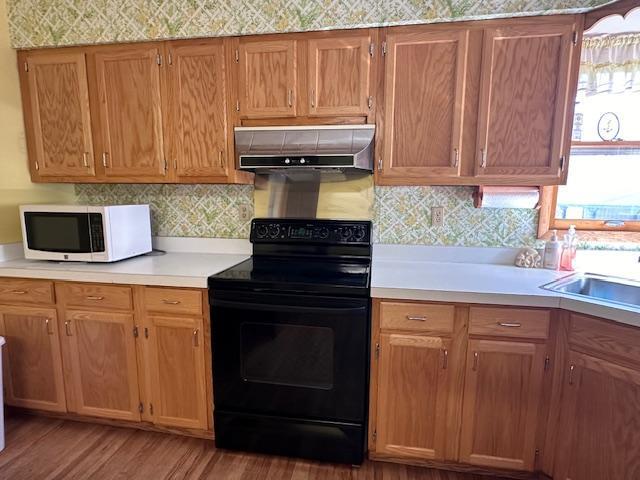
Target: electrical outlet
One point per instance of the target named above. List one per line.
(437, 216)
(244, 212)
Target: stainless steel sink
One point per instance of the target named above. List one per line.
(599, 287)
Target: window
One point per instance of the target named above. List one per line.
(603, 184)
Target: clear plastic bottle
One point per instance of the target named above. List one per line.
(569, 249)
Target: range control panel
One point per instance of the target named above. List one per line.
(329, 232)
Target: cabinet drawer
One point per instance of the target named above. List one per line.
(509, 322)
(17, 290)
(101, 296)
(416, 317)
(602, 337)
(172, 300)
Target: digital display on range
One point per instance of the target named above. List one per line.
(300, 232)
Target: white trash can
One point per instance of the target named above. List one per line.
(2, 342)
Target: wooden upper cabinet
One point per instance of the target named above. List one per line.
(267, 78)
(339, 76)
(176, 368)
(599, 419)
(57, 114)
(502, 396)
(32, 362)
(128, 86)
(198, 93)
(526, 103)
(412, 396)
(103, 364)
(425, 75)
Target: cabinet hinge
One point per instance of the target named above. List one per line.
(135, 334)
(26, 66)
(574, 39)
(140, 407)
(146, 332)
(372, 49)
(151, 408)
(159, 59)
(547, 361)
(375, 434)
(377, 351)
(370, 103)
(384, 48)
(537, 452)
(237, 56)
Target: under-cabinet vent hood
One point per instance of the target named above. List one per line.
(343, 147)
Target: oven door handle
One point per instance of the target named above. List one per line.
(285, 308)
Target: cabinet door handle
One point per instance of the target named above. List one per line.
(476, 358)
(313, 98)
(47, 322)
(483, 158)
(94, 297)
(417, 318)
(571, 369)
(509, 324)
(67, 328)
(171, 302)
(445, 359)
(221, 159)
(85, 159)
(105, 157)
(380, 165)
(290, 98)
(456, 158)
(196, 340)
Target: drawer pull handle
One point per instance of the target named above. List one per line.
(445, 359)
(171, 302)
(417, 318)
(19, 292)
(67, 327)
(509, 324)
(476, 357)
(196, 340)
(47, 322)
(94, 297)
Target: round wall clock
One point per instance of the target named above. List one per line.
(608, 126)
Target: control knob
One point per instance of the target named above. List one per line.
(274, 230)
(261, 231)
(359, 233)
(346, 233)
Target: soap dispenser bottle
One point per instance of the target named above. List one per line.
(552, 251)
(569, 249)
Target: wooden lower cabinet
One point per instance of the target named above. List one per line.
(502, 394)
(412, 395)
(175, 363)
(104, 369)
(600, 421)
(32, 362)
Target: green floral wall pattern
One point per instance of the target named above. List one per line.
(37, 23)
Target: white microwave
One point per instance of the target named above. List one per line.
(85, 233)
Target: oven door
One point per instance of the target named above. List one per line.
(291, 355)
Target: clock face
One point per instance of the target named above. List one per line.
(608, 126)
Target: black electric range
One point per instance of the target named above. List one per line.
(290, 333)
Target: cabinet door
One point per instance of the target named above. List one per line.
(424, 95)
(267, 79)
(199, 114)
(339, 71)
(58, 112)
(176, 366)
(32, 361)
(128, 82)
(524, 101)
(599, 422)
(104, 369)
(501, 399)
(412, 396)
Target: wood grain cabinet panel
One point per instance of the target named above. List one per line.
(424, 94)
(418, 317)
(57, 115)
(95, 296)
(17, 290)
(502, 396)
(199, 109)
(32, 361)
(176, 366)
(339, 76)
(509, 322)
(525, 101)
(412, 396)
(128, 85)
(268, 81)
(103, 352)
(599, 422)
(175, 301)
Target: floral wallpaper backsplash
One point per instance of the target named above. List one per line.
(39, 23)
(402, 215)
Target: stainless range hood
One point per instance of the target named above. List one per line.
(317, 147)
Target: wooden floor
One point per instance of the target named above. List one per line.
(43, 448)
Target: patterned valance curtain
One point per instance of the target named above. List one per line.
(610, 64)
